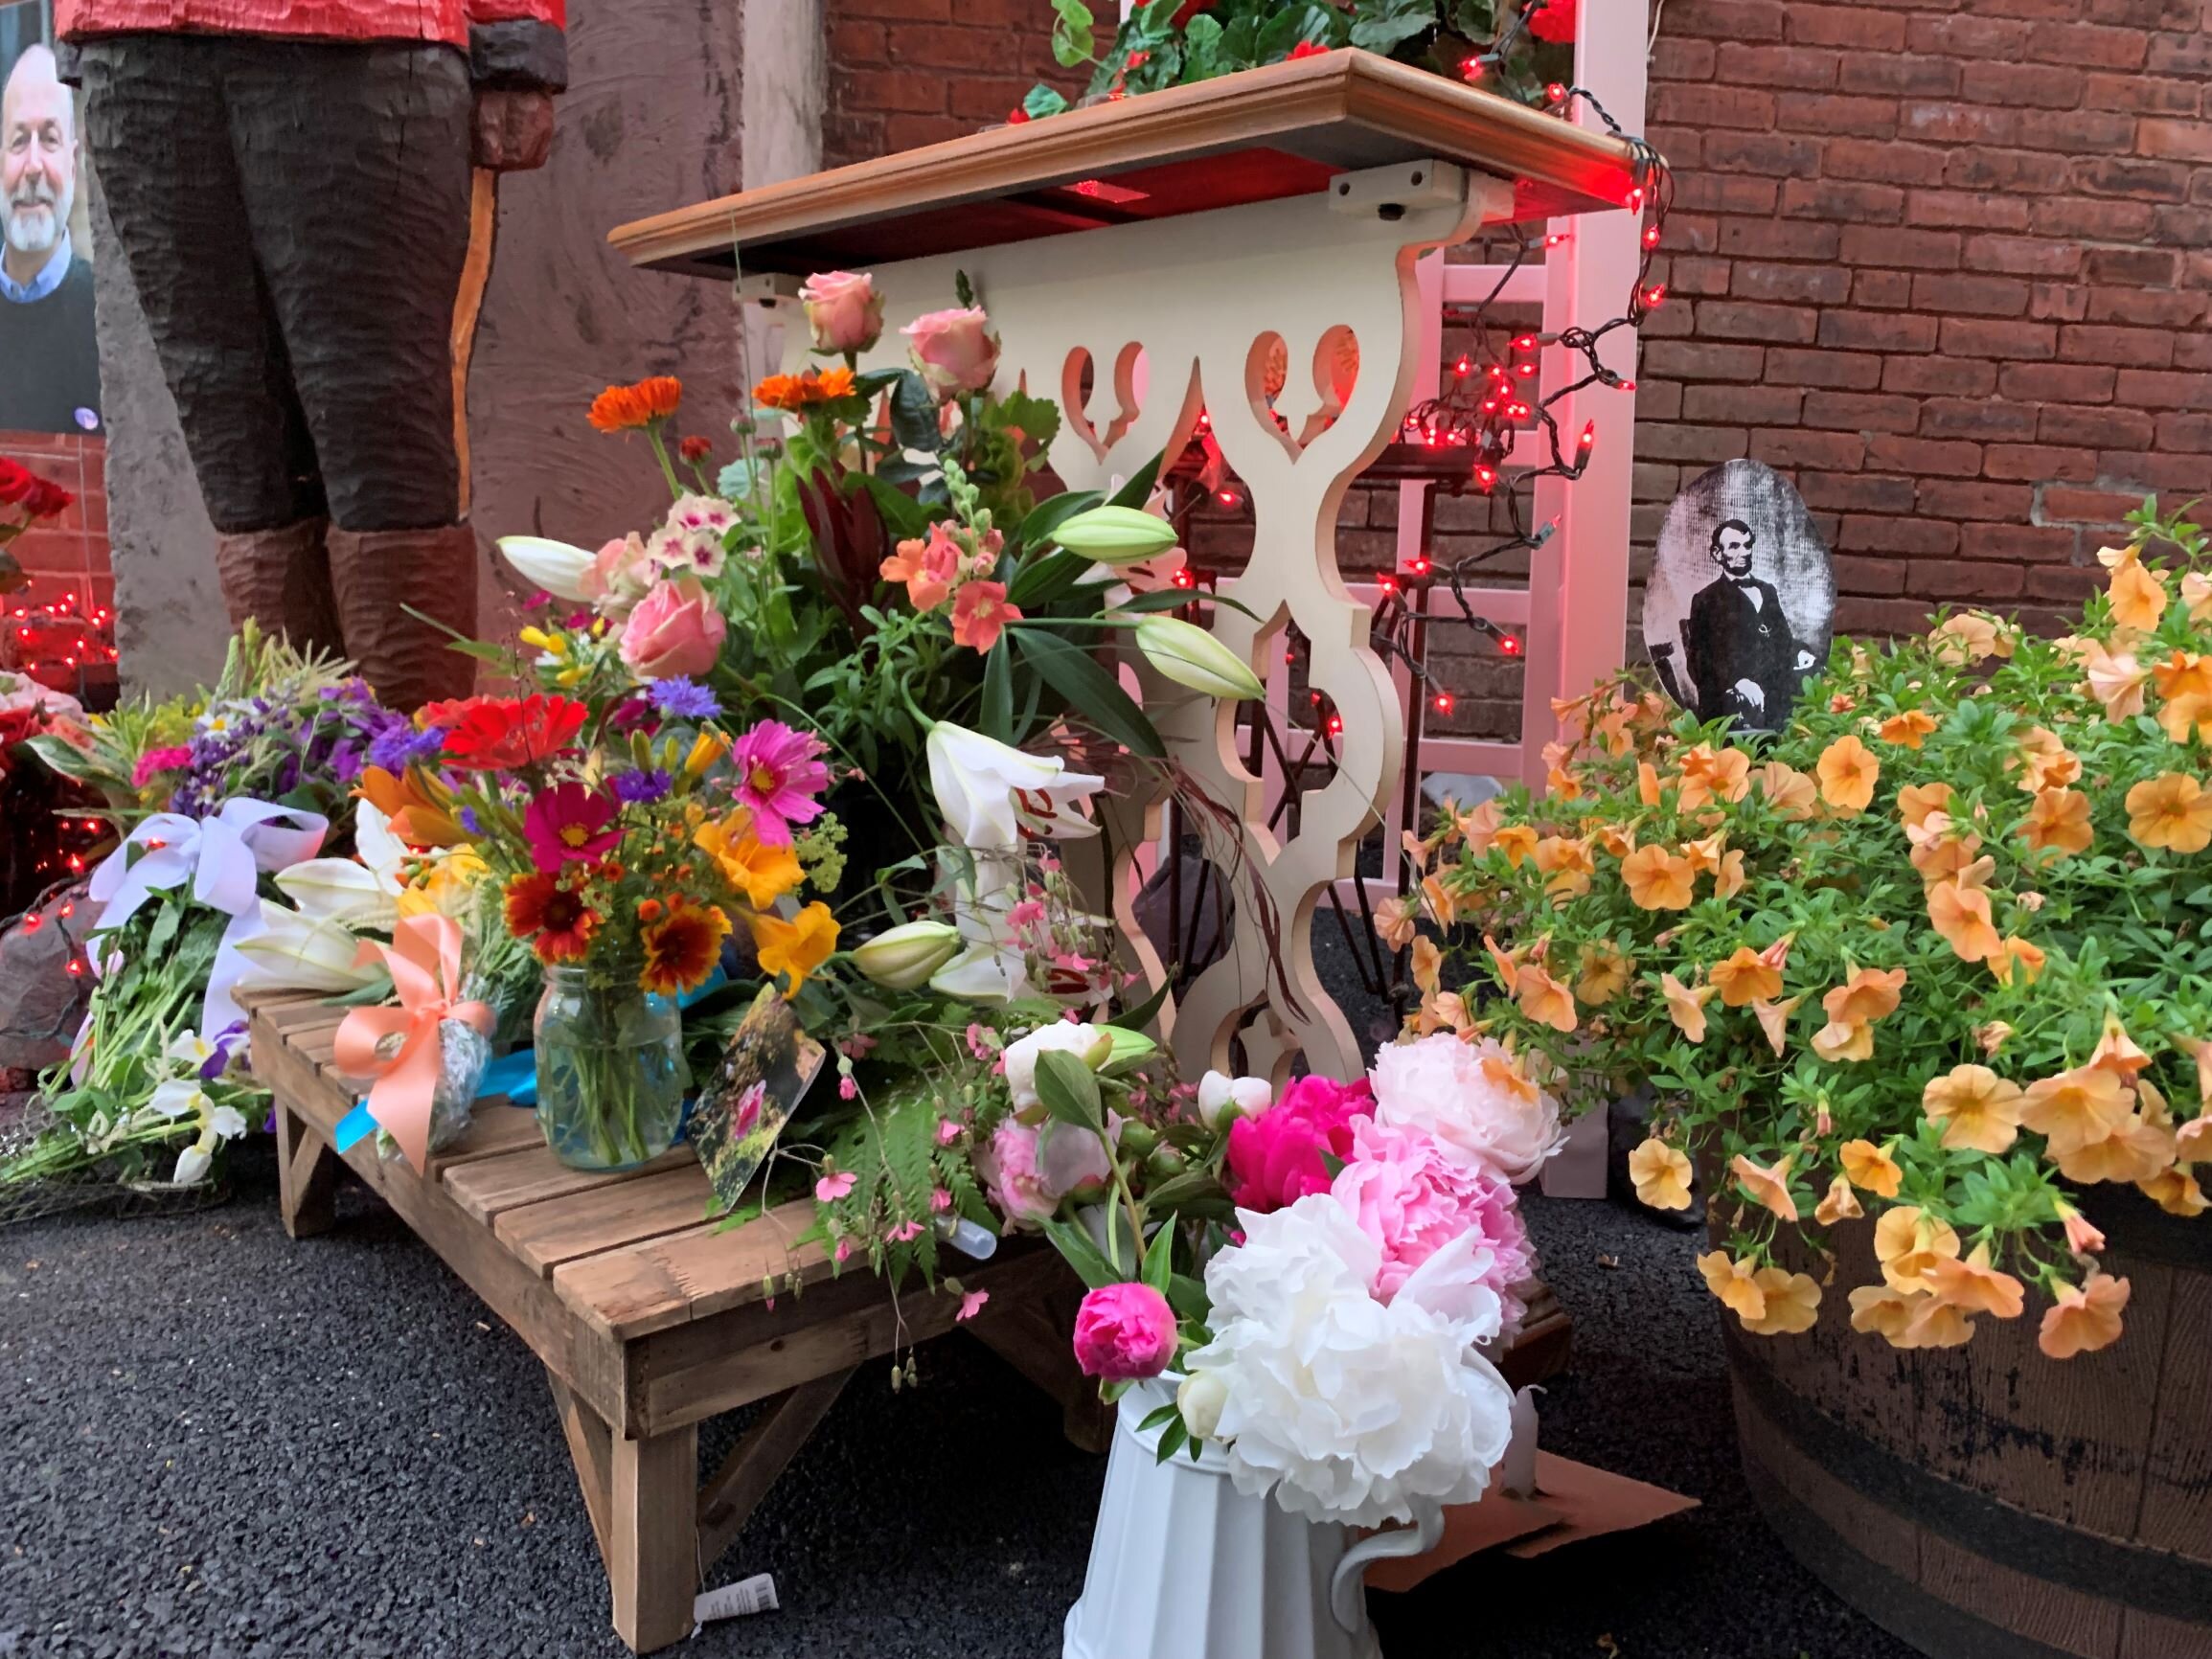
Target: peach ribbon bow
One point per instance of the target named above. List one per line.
(424, 957)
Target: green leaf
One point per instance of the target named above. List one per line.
(1161, 1417)
(1094, 697)
(1069, 1090)
(1139, 489)
(1144, 1012)
(1050, 513)
(1037, 418)
(1203, 54)
(1384, 23)
(1158, 1268)
(999, 696)
(1045, 580)
(1187, 1296)
(1086, 1259)
(914, 415)
(1043, 100)
(1172, 1439)
(1072, 33)
(904, 517)
(1190, 1189)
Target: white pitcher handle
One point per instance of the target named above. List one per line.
(1347, 1588)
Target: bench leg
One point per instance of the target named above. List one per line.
(307, 1177)
(728, 1500)
(652, 1535)
(1033, 1339)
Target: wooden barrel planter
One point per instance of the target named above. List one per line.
(1986, 1502)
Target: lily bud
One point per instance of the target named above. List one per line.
(1116, 534)
(1128, 1047)
(555, 566)
(1190, 657)
(902, 958)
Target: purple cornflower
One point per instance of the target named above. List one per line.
(640, 788)
(399, 745)
(683, 699)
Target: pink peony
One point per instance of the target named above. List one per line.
(675, 629)
(619, 575)
(1275, 1158)
(844, 311)
(953, 352)
(1124, 1332)
(1411, 1198)
(1029, 1171)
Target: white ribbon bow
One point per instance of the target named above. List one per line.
(222, 859)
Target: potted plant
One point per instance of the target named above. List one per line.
(1920, 982)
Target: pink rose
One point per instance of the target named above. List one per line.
(1413, 1198)
(620, 573)
(1275, 1158)
(844, 311)
(953, 352)
(1124, 1332)
(1029, 1171)
(675, 629)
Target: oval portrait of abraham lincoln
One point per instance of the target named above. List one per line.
(1737, 611)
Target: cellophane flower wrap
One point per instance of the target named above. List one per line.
(1925, 964)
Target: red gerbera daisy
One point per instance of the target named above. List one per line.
(500, 733)
(558, 917)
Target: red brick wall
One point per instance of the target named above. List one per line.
(1947, 265)
(906, 73)
(70, 554)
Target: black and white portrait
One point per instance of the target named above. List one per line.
(1738, 608)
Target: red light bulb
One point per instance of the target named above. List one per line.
(1510, 645)
(1589, 434)
(1443, 702)
(1556, 92)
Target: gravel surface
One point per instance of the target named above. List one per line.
(220, 1442)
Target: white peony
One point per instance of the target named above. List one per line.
(1222, 1095)
(1344, 1407)
(1472, 1100)
(1087, 1042)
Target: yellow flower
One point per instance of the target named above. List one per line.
(1394, 923)
(763, 874)
(1979, 1111)
(2075, 1109)
(1478, 828)
(1704, 855)
(2184, 682)
(1774, 1021)
(1940, 849)
(1603, 974)
(2175, 1192)
(2081, 1321)
(1767, 1187)
(2196, 595)
(1848, 773)
(2046, 762)
(2170, 811)
(1908, 1242)
(1735, 1282)
(1745, 978)
(1728, 879)
(1658, 880)
(2137, 1151)
(1442, 902)
(2115, 679)
(1661, 1174)
(1840, 1205)
(1870, 1168)
(1685, 1007)
(1427, 966)
(1793, 1304)
(2138, 595)
(1876, 1309)
(1790, 791)
(1569, 864)
(708, 747)
(2016, 953)
(1543, 999)
(1916, 801)
(1961, 915)
(1647, 783)
(795, 948)
(1516, 841)
(2058, 822)
(1869, 994)
(1710, 774)
(1974, 1286)
(1906, 730)
(2118, 1052)
(1968, 637)
(1843, 1040)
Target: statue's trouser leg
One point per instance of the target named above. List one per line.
(341, 202)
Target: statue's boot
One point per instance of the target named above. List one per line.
(280, 579)
(380, 574)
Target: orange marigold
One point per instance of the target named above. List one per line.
(635, 407)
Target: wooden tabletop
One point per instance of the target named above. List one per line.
(1279, 130)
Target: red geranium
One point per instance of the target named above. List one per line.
(500, 733)
(1552, 20)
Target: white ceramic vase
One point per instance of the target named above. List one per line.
(1184, 1566)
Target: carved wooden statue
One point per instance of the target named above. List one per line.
(290, 182)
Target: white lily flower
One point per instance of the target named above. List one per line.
(991, 792)
(556, 566)
(340, 891)
(296, 953)
(193, 1165)
(178, 1097)
(227, 1122)
(377, 845)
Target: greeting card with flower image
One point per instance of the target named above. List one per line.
(763, 1075)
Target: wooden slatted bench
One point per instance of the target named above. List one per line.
(647, 1320)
